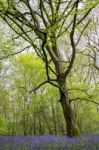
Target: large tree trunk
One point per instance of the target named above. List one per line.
(68, 111)
(69, 115)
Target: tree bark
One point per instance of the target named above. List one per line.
(69, 113)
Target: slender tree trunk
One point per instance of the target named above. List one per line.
(54, 118)
(68, 111)
(34, 125)
(47, 123)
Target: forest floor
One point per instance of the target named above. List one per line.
(50, 142)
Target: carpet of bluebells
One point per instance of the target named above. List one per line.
(50, 142)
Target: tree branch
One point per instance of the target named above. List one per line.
(78, 98)
(15, 53)
(43, 83)
(82, 91)
(72, 41)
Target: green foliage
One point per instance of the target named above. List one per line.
(3, 6)
(3, 126)
(7, 6)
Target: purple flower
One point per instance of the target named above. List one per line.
(50, 142)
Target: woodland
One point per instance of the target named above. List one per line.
(49, 67)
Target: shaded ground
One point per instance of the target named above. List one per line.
(50, 142)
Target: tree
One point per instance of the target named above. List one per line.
(27, 69)
(44, 24)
